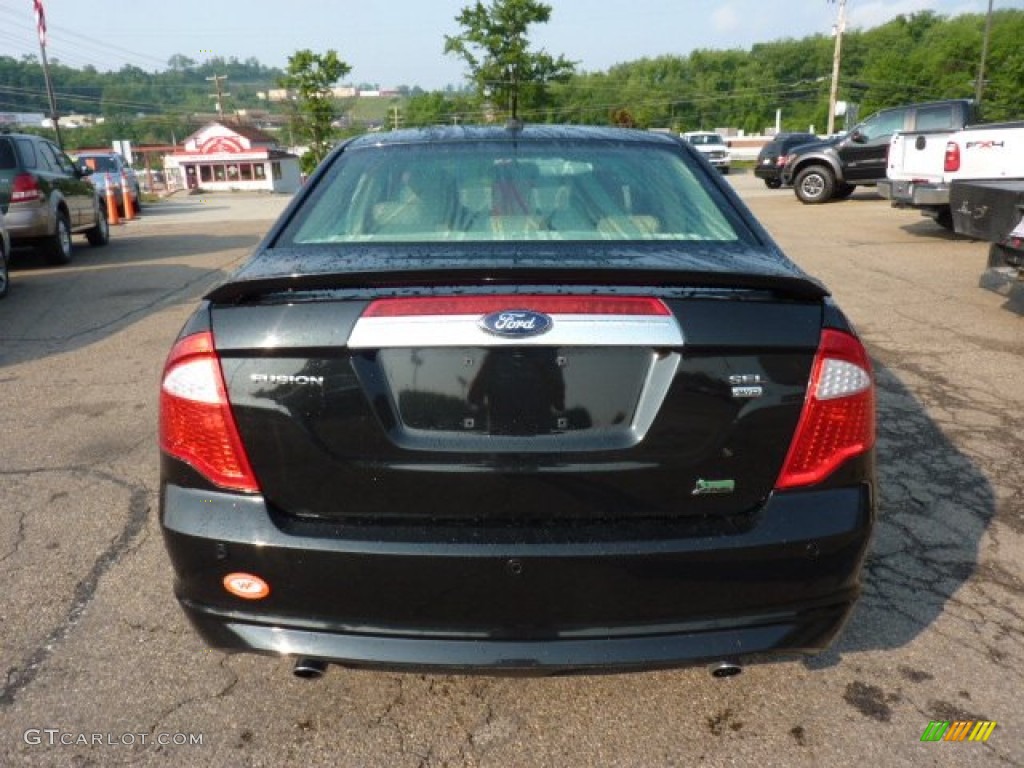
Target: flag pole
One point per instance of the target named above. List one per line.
(54, 116)
(41, 28)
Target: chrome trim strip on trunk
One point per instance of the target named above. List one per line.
(567, 330)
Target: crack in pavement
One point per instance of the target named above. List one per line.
(19, 537)
(233, 680)
(938, 505)
(20, 677)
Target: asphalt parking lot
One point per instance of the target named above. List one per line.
(101, 668)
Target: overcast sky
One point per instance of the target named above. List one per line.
(401, 42)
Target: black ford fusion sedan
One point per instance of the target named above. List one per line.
(517, 399)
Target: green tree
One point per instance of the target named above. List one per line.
(502, 67)
(437, 107)
(311, 76)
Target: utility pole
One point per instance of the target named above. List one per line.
(836, 56)
(980, 85)
(219, 95)
(396, 120)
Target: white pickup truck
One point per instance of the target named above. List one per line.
(922, 164)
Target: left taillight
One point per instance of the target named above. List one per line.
(196, 424)
(838, 418)
(951, 161)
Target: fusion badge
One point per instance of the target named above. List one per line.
(516, 323)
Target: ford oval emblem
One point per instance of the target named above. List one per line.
(516, 323)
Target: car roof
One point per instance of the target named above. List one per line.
(539, 133)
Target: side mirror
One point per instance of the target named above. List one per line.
(84, 170)
(858, 138)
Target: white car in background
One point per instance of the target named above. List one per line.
(712, 146)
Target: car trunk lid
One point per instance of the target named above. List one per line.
(400, 403)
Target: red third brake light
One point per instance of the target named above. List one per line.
(551, 304)
(196, 425)
(838, 419)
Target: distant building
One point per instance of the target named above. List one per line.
(22, 118)
(220, 157)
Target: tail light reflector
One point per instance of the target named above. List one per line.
(838, 419)
(196, 424)
(952, 161)
(24, 188)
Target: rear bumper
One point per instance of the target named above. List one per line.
(768, 172)
(541, 601)
(29, 221)
(908, 194)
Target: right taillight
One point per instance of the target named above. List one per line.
(952, 160)
(196, 424)
(24, 188)
(838, 419)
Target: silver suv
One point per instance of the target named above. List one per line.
(45, 198)
(110, 167)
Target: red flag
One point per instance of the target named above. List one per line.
(40, 20)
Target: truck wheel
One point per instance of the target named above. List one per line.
(843, 191)
(57, 249)
(100, 234)
(814, 184)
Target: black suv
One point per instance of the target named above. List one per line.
(45, 198)
(832, 169)
(772, 157)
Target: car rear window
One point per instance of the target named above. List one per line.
(706, 138)
(99, 163)
(499, 191)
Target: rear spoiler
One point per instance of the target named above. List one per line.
(243, 289)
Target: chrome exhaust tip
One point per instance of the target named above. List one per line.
(722, 669)
(309, 669)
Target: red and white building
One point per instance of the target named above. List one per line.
(220, 157)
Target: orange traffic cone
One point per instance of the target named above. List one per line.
(112, 217)
(129, 206)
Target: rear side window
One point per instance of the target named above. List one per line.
(937, 118)
(8, 162)
(48, 159)
(500, 191)
(27, 150)
(795, 141)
